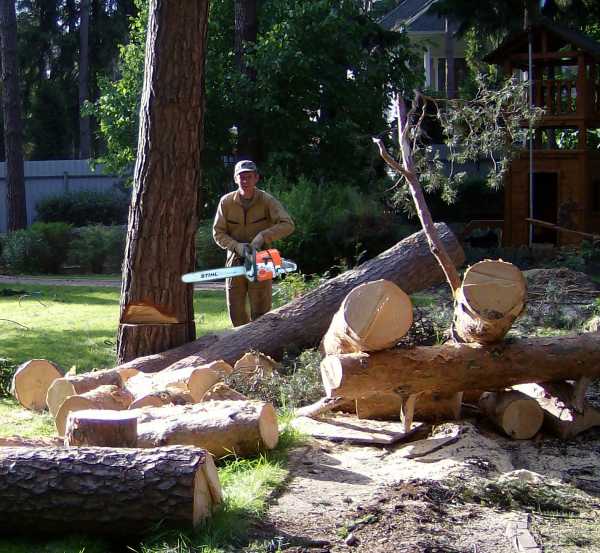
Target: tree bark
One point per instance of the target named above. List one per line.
(163, 216)
(372, 317)
(103, 397)
(242, 428)
(101, 428)
(104, 490)
(456, 367)
(85, 137)
(301, 323)
(516, 414)
(31, 381)
(77, 384)
(13, 123)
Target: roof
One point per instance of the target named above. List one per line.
(558, 37)
(413, 15)
(57, 168)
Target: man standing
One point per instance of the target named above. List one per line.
(248, 218)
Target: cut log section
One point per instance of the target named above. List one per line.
(170, 396)
(302, 323)
(491, 297)
(566, 413)
(195, 380)
(242, 428)
(255, 364)
(101, 428)
(220, 391)
(73, 385)
(105, 490)
(429, 406)
(452, 367)
(102, 397)
(516, 414)
(31, 381)
(373, 316)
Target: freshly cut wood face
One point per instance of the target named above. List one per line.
(31, 381)
(146, 313)
(494, 289)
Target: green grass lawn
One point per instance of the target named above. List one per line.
(77, 325)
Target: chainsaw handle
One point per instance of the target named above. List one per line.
(250, 259)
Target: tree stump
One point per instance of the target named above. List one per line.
(31, 381)
(103, 397)
(516, 414)
(372, 317)
(491, 297)
(101, 428)
(105, 490)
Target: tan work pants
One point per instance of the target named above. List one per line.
(259, 294)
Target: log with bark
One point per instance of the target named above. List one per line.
(94, 427)
(302, 323)
(23, 441)
(492, 295)
(516, 414)
(372, 317)
(566, 412)
(195, 380)
(455, 367)
(103, 397)
(72, 385)
(105, 490)
(168, 396)
(31, 381)
(223, 428)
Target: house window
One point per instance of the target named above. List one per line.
(441, 74)
(460, 73)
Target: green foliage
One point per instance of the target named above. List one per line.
(335, 224)
(292, 286)
(208, 254)
(41, 248)
(97, 248)
(84, 207)
(7, 369)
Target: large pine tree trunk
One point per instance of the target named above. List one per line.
(13, 124)
(85, 138)
(302, 323)
(105, 490)
(163, 214)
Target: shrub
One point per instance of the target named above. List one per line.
(98, 247)
(85, 207)
(7, 369)
(208, 254)
(41, 248)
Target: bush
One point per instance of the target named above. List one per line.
(41, 248)
(97, 248)
(335, 224)
(7, 369)
(208, 254)
(85, 207)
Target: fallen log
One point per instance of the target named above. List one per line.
(31, 381)
(301, 323)
(372, 317)
(492, 295)
(516, 414)
(255, 364)
(195, 380)
(105, 490)
(220, 391)
(94, 427)
(170, 396)
(77, 384)
(102, 397)
(22, 441)
(452, 367)
(242, 428)
(566, 413)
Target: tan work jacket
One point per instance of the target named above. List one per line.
(233, 224)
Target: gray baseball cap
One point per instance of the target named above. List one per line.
(245, 165)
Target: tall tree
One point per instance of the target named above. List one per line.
(163, 216)
(13, 125)
(84, 89)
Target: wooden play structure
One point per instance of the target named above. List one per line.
(565, 186)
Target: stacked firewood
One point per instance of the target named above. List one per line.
(529, 381)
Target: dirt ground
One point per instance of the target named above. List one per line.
(410, 498)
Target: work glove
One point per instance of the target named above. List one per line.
(240, 249)
(258, 241)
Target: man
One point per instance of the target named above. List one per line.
(248, 218)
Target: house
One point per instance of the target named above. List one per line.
(444, 64)
(557, 179)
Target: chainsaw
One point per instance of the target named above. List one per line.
(258, 266)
